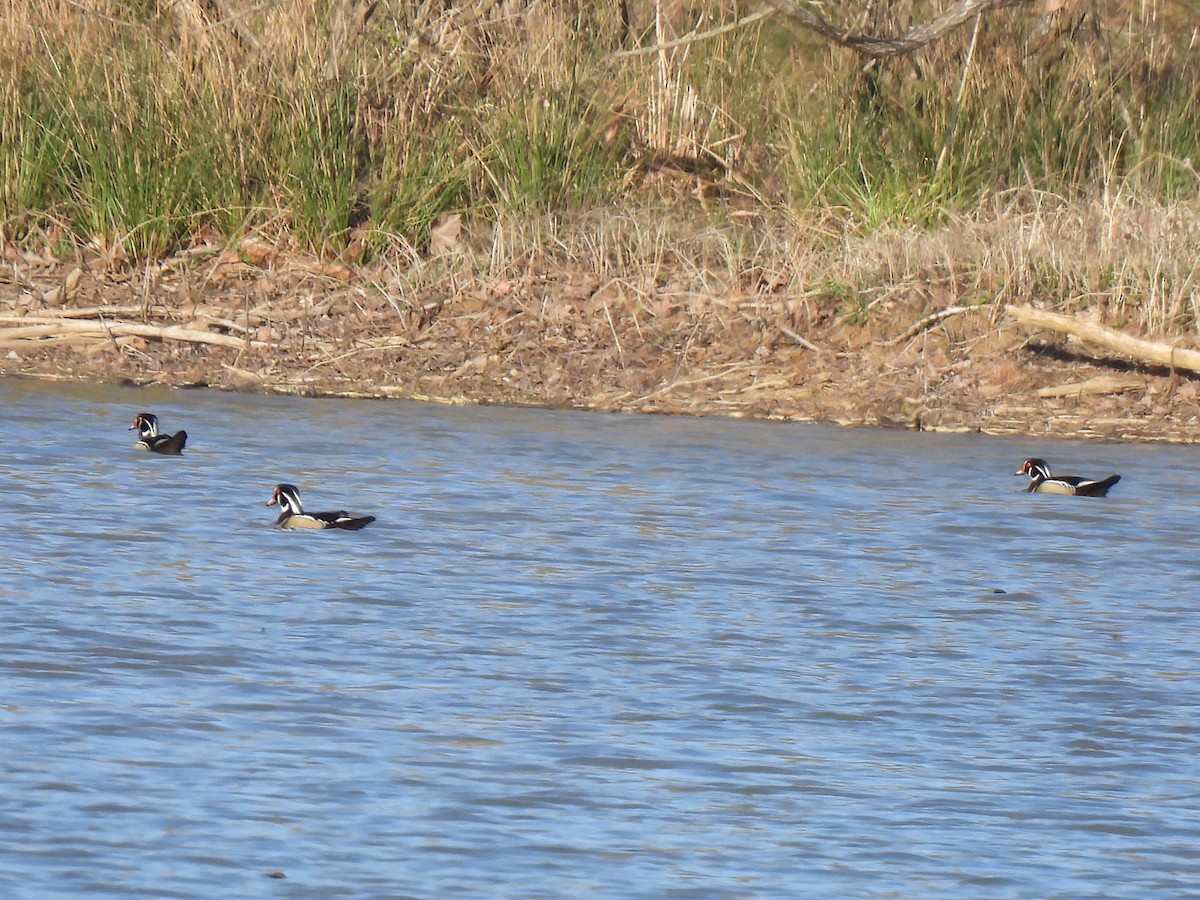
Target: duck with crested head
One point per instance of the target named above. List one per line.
(146, 425)
(292, 514)
(1042, 481)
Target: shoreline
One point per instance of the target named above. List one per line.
(1064, 426)
(567, 340)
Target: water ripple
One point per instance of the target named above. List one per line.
(583, 655)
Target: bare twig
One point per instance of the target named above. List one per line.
(693, 36)
(616, 339)
(728, 370)
(803, 342)
(799, 339)
(952, 127)
(931, 319)
(397, 345)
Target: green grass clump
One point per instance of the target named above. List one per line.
(544, 154)
(316, 136)
(419, 180)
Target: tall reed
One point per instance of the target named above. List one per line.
(155, 125)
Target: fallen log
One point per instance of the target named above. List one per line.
(1093, 332)
(37, 326)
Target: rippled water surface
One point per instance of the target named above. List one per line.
(586, 656)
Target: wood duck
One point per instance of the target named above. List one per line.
(149, 438)
(1041, 481)
(292, 514)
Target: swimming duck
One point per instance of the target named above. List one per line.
(1041, 481)
(292, 514)
(149, 438)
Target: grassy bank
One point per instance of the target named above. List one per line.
(159, 126)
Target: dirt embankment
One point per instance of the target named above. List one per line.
(258, 320)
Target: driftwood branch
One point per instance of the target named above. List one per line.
(35, 327)
(931, 319)
(1093, 332)
(804, 13)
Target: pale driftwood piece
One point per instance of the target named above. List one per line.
(115, 329)
(1103, 384)
(804, 12)
(1094, 332)
(931, 319)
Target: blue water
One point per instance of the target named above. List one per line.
(586, 656)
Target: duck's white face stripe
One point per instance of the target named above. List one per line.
(1036, 469)
(147, 426)
(289, 500)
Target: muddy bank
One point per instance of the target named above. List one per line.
(262, 320)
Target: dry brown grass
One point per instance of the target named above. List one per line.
(748, 165)
(1130, 260)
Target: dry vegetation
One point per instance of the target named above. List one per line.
(510, 202)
